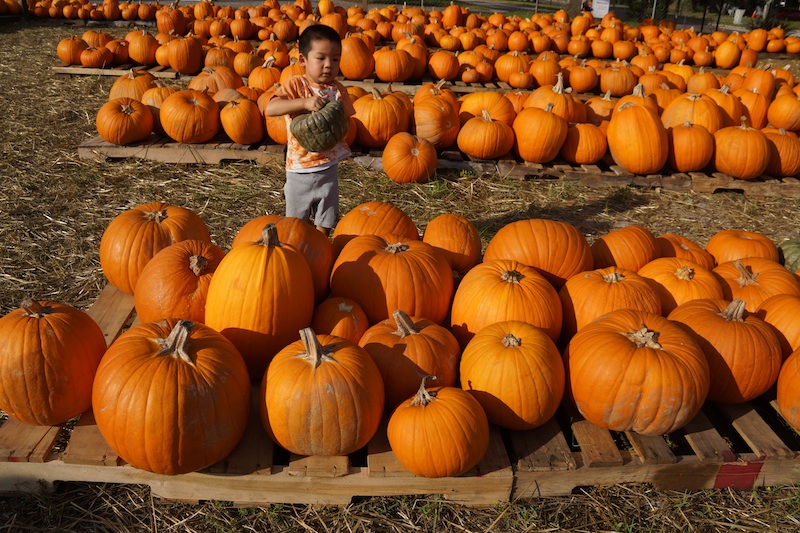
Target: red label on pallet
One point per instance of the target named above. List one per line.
(738, 475)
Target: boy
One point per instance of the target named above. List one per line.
(312, 185)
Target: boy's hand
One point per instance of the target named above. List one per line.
(315, 103)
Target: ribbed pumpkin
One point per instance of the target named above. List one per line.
(379, 117)
(322, 395)
(340, 317)
(456, 419)
(124, 121)
(784, 153)
(585, 144)
(784, 112)
(436, 120)
(743, 352)
(384, 273)
(629, 247)
(372, 218)
(408, 158)
(677, 281)
(186, 55)
(589, 295)
(153, 98)
(788, 386)
(457, 238)
(691, 147)
(782, 312)
(174, 284)
(556, 249)
(321, 130)
(731, 244)
(482, 137)
(261, 295)
(697, 109)
(539, 134)
(49, 353)
(741, 151)
(171, 397)
(242, 121)
(136, 235)
(672, 245)
(637, 139)
(515, 371)
(504, 289)
(496, 104)
(405, 348)
(754, 279)
(133, 85)
(190, 116)
(357, 62)
(633, 354)
(313, 244)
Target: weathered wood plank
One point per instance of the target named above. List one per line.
(755, 431)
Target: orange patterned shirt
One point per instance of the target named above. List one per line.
(298, 159)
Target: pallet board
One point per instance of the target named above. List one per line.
(741, 446)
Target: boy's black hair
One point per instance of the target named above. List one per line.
(317, 32)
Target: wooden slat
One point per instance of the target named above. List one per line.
(496, 458)
(706, 442)
(111, 311)
(542, 449)
(87, 446)
(596, 445)
(651, 450)
(755, 431)
(21, 442)
(318, 466)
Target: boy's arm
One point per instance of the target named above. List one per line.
(282, 106)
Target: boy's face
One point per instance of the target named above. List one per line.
(322, 61)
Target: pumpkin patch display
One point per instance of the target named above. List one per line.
(634, 354)
(515, 372)
(321, 395)
(172, 397)
(49, 353)
(457, 420)
(321, 130)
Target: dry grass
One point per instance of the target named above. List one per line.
(54, 207)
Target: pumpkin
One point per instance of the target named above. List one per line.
(153, 98)
(781, 312)
(784, 112)
(629, 247)
(404, 347)
(585, 144)
(456, 419)
(699, 109)
(312, 243)
(136, 235)
(341, 317)
(495, 104)
(357, 62)
(731, 244)
(637, 139)
(515, 372)
(185, 54)
(741, 151)
(321, 130)
(754, 279)
(504, 289)
(436, 120)
(628, 354)
(133, 85)
(49, 353)
(672, 245)
(483, 138)
(691, 147)
(378, 118)
(124, 121)
(171, 397)
(539, 134)
(384, 273)
(261, 295)
(69, 50)
(372, 218)
(242, 121)
(784, 153)
(190, 116)
(788, 385)
(408, 158)
(174, 283)
(458, 239)
(677, 281)
(558, 250)
(789, 252)
(321, 395)
(743, 353)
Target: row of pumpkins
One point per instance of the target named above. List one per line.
(745, 132)
(455, 29)
(636, 331)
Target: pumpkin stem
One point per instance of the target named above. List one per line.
(269, 236)
(685, 273)
(176, 342)
(511, 276)
(510, 341)
(197, 263)
(156, 216)
(644, 338)
(396, 248)
(405, 326)
(315, 351)
(746, 277)
(613, 277)
(345, 307)
(486, 116)
(735, 311)
(33, 308)
(423, 397)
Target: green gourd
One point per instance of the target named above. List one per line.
(790, 254)
(321, 130)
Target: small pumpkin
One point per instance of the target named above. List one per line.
(321, 130)
(789, 251)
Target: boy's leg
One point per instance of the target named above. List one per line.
(327, 193)
(299, 194)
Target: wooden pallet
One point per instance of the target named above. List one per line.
(742, 447)
(115, 71)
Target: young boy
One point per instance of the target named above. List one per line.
(312, 185)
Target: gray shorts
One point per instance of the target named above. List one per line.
(313, 195)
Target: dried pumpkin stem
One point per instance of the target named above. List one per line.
(397, 247)
(685, 273)
(269, 236)
(746, 277)
(423, 397)
(157, 216)
(511, 276)
(315, 351)
(197, 263)
(405, 326)
(613, 277)
(510, 341)
(33, 308)
(177, 341)
(735, 311)
(644, 338)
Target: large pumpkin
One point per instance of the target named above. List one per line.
(372, 218)
(731, 244)
(404, 347)
(439, 432)
(741, 151)
(124, 121)
(539, 134)
(637, 139)
(378, 118)
(321, 130)
(340, 317)
(136, 235)
(673, 245)
(630, 247)
(387, 273)
(789, 391)
(743, 352)
(261, 295)
(322, 395)
(190, 116)
(49, 354)
(632, 370)
(754, 279)
(407, 158)
(457, 238)
(677, 281)
(171, 397)
(515, 371)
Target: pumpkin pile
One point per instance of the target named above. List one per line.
(426, 329)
